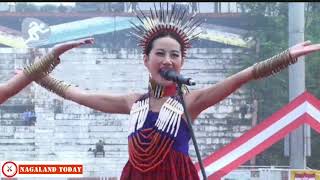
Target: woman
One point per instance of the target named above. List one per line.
(159, 135)
(37, 70)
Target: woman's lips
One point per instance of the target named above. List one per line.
(165, 69)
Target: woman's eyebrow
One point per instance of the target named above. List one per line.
(160, 49)
(175, 51)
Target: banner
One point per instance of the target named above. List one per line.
(304, 175)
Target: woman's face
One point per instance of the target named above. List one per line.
(165, 54)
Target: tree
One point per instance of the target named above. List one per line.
(269, 27)
(313, 74)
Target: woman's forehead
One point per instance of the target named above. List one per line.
(166, 43)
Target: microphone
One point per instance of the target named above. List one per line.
(171, 75)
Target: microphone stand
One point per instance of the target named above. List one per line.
(191, 131)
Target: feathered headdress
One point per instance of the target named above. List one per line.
(176, 21)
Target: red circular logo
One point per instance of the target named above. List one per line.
(9, 169)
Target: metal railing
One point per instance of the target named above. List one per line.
(272, 173)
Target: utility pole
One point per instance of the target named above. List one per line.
(253, 124)
(297, 147)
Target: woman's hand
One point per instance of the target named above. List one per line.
(63, 47)
(303, 49)
(18, 71)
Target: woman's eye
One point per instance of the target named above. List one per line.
(160, 53)
(175, 55)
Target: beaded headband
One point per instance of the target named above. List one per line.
(176, 21)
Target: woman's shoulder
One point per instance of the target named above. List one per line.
(141, 96)
(134, 97)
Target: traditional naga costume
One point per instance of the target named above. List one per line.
(158, 141)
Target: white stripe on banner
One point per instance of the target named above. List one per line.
(314, 112)
(261, 137)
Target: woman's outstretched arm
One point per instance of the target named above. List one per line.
(99, 101)
(201, 99)
(37, 70)
(13, 86)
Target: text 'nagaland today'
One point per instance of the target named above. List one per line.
(50, 169)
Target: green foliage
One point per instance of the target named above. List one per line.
(314, 160)
(312, 61)
(269, 27)
(271, 36)
(313, 74)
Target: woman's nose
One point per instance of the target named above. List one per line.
(167, 60)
